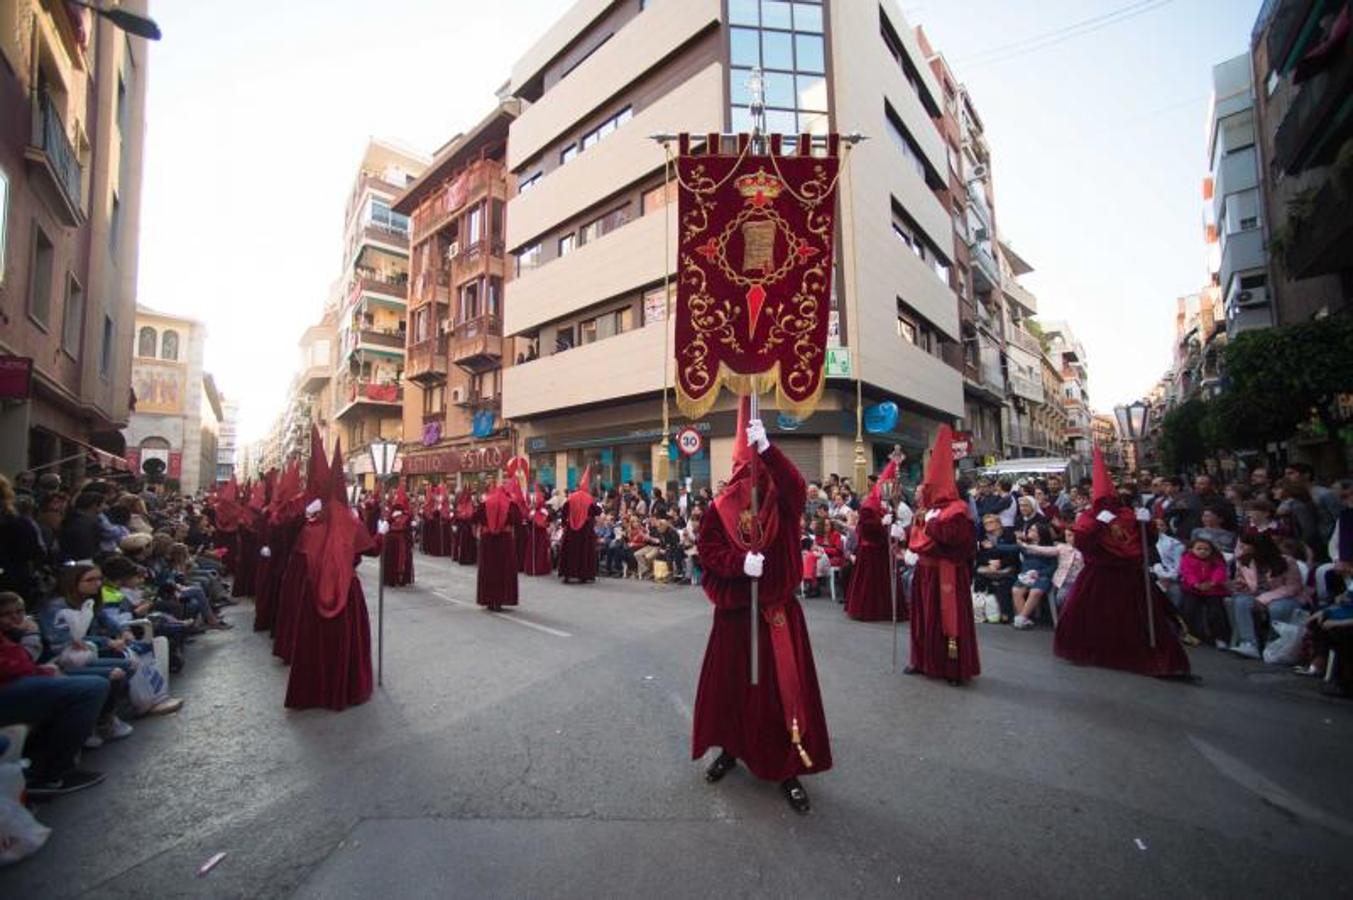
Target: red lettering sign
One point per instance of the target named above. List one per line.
(16, 377)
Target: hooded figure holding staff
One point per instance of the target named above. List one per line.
(578, 550)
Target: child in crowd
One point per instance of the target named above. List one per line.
(1202, 581)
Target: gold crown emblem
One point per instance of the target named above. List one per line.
(760, 184)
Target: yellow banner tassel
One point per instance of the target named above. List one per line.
(953, 648)
(794, 739)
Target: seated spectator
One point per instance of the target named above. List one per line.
(1170, 550)
(1069, 565)
(1266, 581)
(1203, 586)
(997, 563)
(1034, 581)
(810, 555)
(1259, 519)
(1297, 512)
(1213, 532)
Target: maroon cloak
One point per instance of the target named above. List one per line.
(291, 585)
(496, 580)
(1104, 622)
(398, 544)
(331, 661)
(282, 523)
(943, 537)
(537, 558)
(755, 724)
(578, 548)
(463, 544)
(868, 595)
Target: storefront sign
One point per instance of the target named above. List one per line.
(838, 362)
(880, 417)
(688, 441)
(490, 457)
(16, 377)
(483, 423)
(175, 464)
(962, 444)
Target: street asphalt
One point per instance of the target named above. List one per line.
(545, 752)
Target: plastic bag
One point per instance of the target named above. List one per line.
(21, 835)
(1285, 650)
(147, 686)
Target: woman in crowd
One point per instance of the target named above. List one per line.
(1067, 560)
(1268, 582)
(1034, 581)
(1213, 531)
(1296, 511)
(997, 564)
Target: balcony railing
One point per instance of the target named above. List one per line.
(1020, 295)
(1287, 22)
(1312, 131)
(373, 337)
(53, 152)
(1323, 243)
(361, 390)
(386, 234)
(451, 198)
(477, 344)
(1027, 388)
(426, 360)
(986, 274)
(1023, 340)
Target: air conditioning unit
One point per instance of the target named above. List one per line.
(455, 395)
(454, 250)
(981, 236)
(979, 171)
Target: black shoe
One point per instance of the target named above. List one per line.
(720, 767)
(911, 670)
(954, 682)
(796, 795)
(72, 781)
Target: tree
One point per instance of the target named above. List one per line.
(1276, 377)
(1181, 441)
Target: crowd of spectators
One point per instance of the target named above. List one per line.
(103, 585)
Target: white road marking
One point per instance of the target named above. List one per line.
(1255, 782)
(514, 619)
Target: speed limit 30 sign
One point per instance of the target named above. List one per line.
(689, 441)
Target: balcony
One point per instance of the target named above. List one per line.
(986, 275)
(391, 291)
(1024, 341)
(386, 236)
(1286, 24)
(477, 345)
(314, 379)
(1028, 388)
(376, 339)
(478, 179)
(359, 393)
(1323, 243)
(426, 361)
(1244, 250)
(1317, 122)
(476, 400)
(52, 159)
(1020, 295)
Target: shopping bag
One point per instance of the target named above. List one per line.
(21, 835)
(147, 686)
(1285, 650)
(662, 572)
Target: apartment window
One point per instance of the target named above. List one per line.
(115, 222)
(658, 197)
(73, 318)
(526, 184)
(4, 220)
(469, 301)
(1240, 211)
(567, 154)
(603, 224)
(145, 342)
(785, 40)
(106, 349)
(656, 304)
(528, 258)
(40, 278)
(567, 244)
(563, 338)
(607, 128)
(904, 62)
(169, 345)
(906, 329)
(474, 226)
(381, 216)
(624, 320)
(491, 306)
(587, 331)
(903, 141)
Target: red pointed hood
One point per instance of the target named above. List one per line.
(498, 504)
(258, 497)
(515, 494)
(288, 495)
(444, 500)
(736, 496)
(332, 542)
(1103, 484)
(939, 484)
(580, 502)
(428, 504)
(317, 469)
(465, 503)
(875, 499)
(401, 499)
(229, 511)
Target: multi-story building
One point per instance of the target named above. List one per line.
(1233, 205)
(1200, 335)
(456, 353)
(178, 408)
(372, 321)
(1104, 435)
(227, 448)
(72, 88)
(1024, 429)
(1303, 70)
(591, 211)
(975, 275)
(1068, 358)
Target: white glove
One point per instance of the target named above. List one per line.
(756, 436)
(265, 552)
(753, 563)
(382, 527)
(888, 519)
(931, 514)
(899, 530)
(1143, 514)
(398, 512)
(1106, 517)
(313, 507)
(910, 558)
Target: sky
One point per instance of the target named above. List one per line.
(258, 113)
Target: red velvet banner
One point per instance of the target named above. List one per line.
(754, 273)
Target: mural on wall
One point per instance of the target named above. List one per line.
(159, 388)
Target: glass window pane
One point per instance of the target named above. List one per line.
(776, 51)
(742, 120)
(775, 14)
(812, 93)
(813, 123)
(737, 86)
(742, 45)
(780, 122)
(807, 17)
(742, 12)
(810, 53)
(779, 89)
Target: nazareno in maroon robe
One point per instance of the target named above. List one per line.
(578, 549)
(331, 659)
(750, 722)
(398, 550)
(537, 558)
(464, 546)
(869, 596)
(1103, 622)
(496, 580)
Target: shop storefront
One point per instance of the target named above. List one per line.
(454, 466)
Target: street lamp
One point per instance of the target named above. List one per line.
(1132, 420)
(383, 453)
(128, 21)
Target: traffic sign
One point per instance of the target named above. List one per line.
(689, 441)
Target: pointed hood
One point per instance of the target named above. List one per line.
(317, 469)
(875, 499)
(229, 511)
(288, 495)
(465, 503)
(332, 541)
(428, 504)
(401, 499)
(580, 502)
(1103, 484)
(939, 484)
(736, 496)
(258, 497)
(498, 504)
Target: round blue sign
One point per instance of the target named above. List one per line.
(881, 417)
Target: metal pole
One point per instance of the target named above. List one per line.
(380, 619)
(892, 563)
(1146, 581)
(754, 410)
